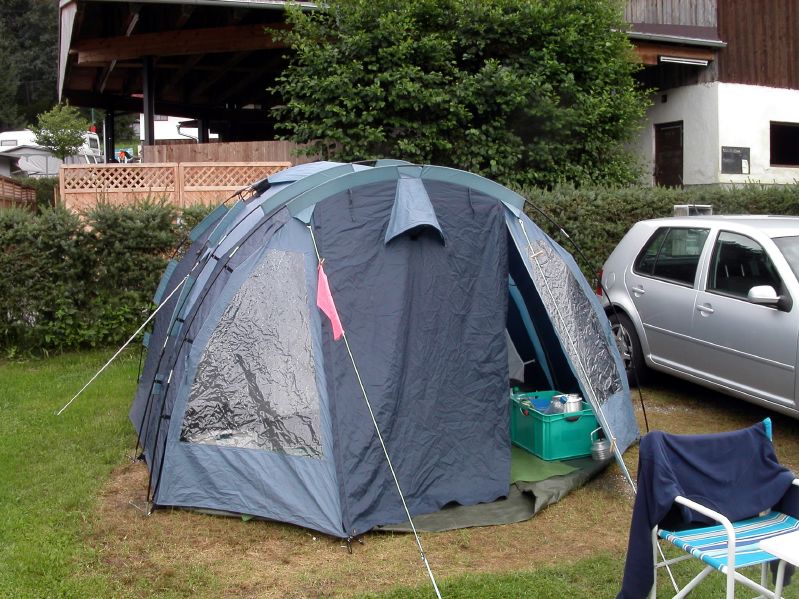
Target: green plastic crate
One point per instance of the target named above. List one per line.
(535, 396)
(551, 436)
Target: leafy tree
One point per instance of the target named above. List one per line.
(525, 91)
(30, 31)
(9, 81)
(61, 130)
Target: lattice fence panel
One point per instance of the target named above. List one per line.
(82, 186)
(204, 182)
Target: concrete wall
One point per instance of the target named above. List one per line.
(697, 107)
(745, 113)
(716, 115)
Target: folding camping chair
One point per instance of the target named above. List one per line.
(726, 547)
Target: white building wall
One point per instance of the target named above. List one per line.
(716, 115)
(745, 115)
(697, 107)
(168, 129)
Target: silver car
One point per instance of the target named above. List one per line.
(711, 299)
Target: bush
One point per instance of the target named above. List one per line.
(523, 91)
(596, 219)
(45, 190)
(70, 282)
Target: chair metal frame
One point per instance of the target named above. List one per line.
(729, 571)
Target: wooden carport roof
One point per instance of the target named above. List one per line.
(206, 59)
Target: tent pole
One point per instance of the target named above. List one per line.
(221, 266)
(121, 349)
(616, 451)
(382, 443)
(532, 256)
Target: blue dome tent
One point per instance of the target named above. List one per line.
(250, 403)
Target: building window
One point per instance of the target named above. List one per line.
(160, 117)
(784, 144)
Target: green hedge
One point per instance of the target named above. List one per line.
(45, 190)
(72, 282)
(596, 219)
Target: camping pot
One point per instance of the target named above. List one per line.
(569, 404)
(600, 448)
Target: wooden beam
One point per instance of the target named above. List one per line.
(186, 11)
(213, 40)
(222, 71)
(127, 103)
(174, 81)
(649, 52)
(131, 21)
(148, 85)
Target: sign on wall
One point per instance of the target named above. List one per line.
(734, 161)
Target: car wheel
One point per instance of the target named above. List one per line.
(629, 347)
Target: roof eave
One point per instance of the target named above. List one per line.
(676, 39)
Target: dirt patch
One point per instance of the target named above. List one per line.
(268, 559)
(190, 553)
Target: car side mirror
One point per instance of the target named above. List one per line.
(766, 295)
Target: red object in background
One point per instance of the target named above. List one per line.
(93, 128)
(598, 288)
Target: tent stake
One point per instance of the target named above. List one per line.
(534, 257)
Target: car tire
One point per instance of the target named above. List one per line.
(629, 347)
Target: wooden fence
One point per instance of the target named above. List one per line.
(14, 194)
(237, 151)
(183, 184)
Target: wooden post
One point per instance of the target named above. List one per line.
(148, 89)
(108, 134)
(203, 130)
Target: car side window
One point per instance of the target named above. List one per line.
(672, 254)
(738, 264)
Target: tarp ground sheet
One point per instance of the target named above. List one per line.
(525, 499)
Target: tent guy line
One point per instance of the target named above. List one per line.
(377, 430)
(121, 349)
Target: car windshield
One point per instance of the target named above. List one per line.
(789, 246)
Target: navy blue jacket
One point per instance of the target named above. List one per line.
(736, 474)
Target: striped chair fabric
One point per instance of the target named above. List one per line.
(709, 544)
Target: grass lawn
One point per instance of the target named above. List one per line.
(52, 467)
(68, 527)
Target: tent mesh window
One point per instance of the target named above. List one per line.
(255, 385)
(575, 320)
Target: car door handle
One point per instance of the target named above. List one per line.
(638, 289)
(705, 309)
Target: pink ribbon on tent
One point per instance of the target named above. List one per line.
(324, 300)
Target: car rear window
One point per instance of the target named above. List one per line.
(672, 253)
